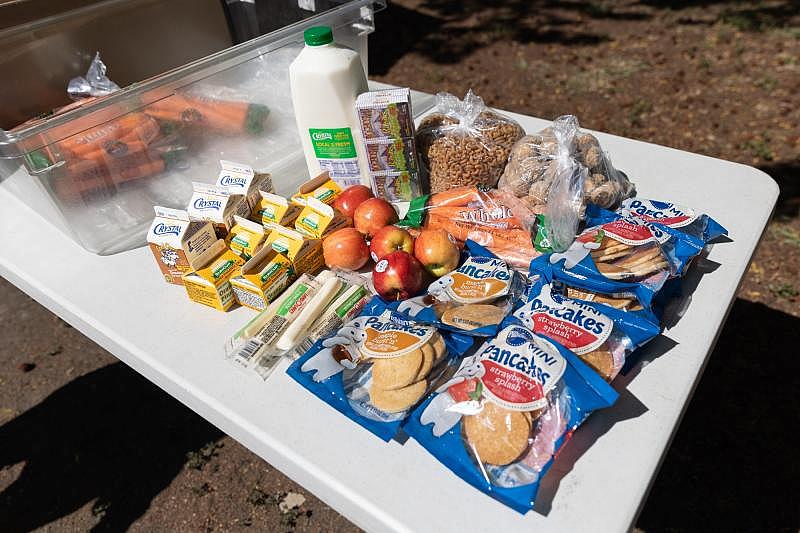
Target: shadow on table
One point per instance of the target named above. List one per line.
(678, 293)
(109, 435)
(626, 407)
(733, 463)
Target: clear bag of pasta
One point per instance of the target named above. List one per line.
(465, 143)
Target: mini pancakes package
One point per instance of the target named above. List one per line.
(684, 219)
(378, 366)
(623, 296)
(473, 299)
(621, 256)
(601, 336)
(680, 248)
(501, 419)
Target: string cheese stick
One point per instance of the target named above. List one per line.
(312, 310)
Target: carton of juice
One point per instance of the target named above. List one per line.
(305, 254)
(387, 129)
(323, 188)
(274, 209)
(242, 179)
(218, 206)
(209, 281)
(318, 220)
(395, 186)
(385, 114)
(245, 237)
(262, 278)
(175, 241)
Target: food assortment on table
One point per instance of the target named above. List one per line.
(484, 306)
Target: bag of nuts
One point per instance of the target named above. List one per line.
(558, 171)
(465, 143)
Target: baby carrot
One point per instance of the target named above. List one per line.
(115, 149)
(85, 179)
(221, 115)
(459, 196)
(134, 126)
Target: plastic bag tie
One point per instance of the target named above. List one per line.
(465, 111)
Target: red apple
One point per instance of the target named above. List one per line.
(350, 198)
(373, 214)
(398, 276)
(437, 252)
(389, 239)
(345, 248)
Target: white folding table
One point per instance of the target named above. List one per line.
(598, 483)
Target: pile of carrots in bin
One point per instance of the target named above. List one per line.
(138, 144)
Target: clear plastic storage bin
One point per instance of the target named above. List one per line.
(159, 135)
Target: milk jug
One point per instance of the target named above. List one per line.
(325, 80)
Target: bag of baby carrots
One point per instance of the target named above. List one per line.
(496, 220)
(222, 115)
(83, 180)
(124, 135)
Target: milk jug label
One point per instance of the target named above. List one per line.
(336, 153)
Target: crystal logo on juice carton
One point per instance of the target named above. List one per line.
(163, 229)
(202, 204)
(242, 179)
(208, 282)
(175, 241)
(218, 206)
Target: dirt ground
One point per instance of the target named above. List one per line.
(86, 442)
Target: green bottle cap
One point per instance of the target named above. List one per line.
(318, 35)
